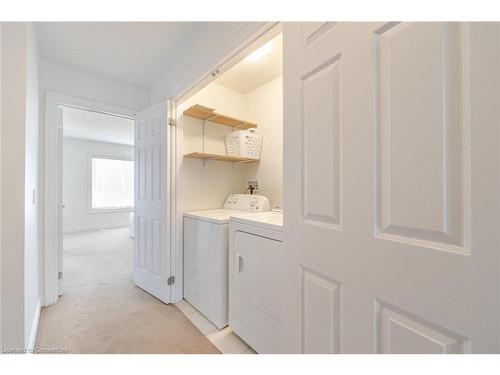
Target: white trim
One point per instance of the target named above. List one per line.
(52, 167)
(176, 245)
(107, 210)
(96, 141)
(191, 84)
(109, 156)
(34, 327)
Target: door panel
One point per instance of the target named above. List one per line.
(311, 31)
(399, 333)
(321, 150)
(321, 303)
(391, 179)
(151, 243)
(421, 131)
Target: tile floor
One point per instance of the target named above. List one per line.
(224, 339)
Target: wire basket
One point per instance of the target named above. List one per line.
(244, 143)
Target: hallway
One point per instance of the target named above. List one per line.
(102, 311)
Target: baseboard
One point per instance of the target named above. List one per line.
(91, 229)
(34, 326)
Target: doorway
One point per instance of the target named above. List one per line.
(151, 209)
(98, 199)
(56, 105)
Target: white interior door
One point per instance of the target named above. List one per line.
(392, 186)
(151, 190)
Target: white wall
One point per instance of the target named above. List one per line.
(76, 182)
(264, 106)
(31, 237)
(19, 242)
(14, 36)
(206, 187)
(68, 81)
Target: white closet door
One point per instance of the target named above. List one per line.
(392, 186)
(152, 203)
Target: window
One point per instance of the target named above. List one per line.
(112, 183)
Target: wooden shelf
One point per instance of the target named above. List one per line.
(209, 114)
(205, 113)
(207, 156)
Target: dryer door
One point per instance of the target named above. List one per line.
(257, 274)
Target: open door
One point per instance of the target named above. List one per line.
(151, 203)
(391, 182)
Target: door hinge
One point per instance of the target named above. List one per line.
(171, 121)
(171, 280)
(60, 275)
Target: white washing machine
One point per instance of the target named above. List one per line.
(256, 282)
(206, 254)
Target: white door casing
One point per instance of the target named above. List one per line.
(51, 190)
(60, 207)
(391, 186)
(152, 204)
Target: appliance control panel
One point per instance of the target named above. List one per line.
(247, 202)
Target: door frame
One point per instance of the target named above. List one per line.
(204, 75)
(51, 172)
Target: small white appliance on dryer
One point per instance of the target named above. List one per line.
(256, 282)
(206, 255)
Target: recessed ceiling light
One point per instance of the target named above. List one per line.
(260, 53)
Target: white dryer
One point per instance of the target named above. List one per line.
(206, 254)
(256, 283)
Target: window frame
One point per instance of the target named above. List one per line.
(92, 210)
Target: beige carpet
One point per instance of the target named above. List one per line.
(102, 311)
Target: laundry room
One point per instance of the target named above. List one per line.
(251, 96)
(232, 165)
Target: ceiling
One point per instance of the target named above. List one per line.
(99, 127)
(132, 52)
(250, 73)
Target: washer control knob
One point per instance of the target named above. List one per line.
(253, 202)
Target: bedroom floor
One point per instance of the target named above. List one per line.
(102, 311)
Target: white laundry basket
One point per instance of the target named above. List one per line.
(245, 143)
